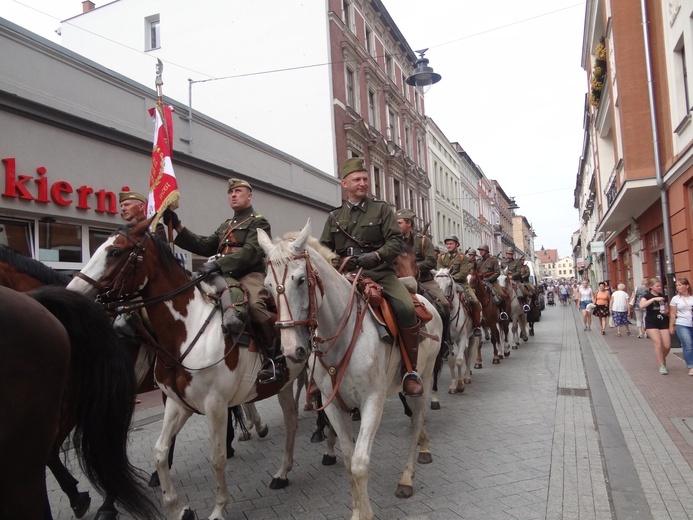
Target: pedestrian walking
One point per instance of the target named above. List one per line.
(586, 296)
(657, 322)
(619, 309)
(681, 306)
(635, 298)
(563, 289)
(602, 300)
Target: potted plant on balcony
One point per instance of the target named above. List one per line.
(598, 73)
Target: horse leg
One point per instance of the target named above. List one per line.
(330, 458)
(437, 368)
(79, 501)
(472, 344)
(496, 341)
(154, 478)
(523, 327)
(286, 401)
(407, 410)
(217, 418)
(254, 419)
(478, 363)
(174, 418)
(343, 427)
(452, 389)
(516, 333)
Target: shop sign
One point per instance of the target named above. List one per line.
(41, 190)
(597, 247)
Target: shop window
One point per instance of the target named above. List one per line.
(59, 241)
(17, 235)
(96, 238)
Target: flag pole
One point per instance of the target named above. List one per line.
(159, 83)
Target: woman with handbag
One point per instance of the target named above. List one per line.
(657, 322)
(619, 309)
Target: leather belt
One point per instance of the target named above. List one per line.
(355, 251)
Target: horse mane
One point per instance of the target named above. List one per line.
(283, 252)
(166, 256)
(33, 268)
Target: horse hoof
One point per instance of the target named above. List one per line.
(279, 483)
(81, 504)
(154, 480)
(263, 433)
(317, 436)
(435, 405)
(525, 338)
(188, 515)
(496, 362)
(230, 452)
(531, 333)
(244, 436)
(329, 460)
(109, 514)
(478, 365)
(424, 458)
(404, 491)
(460, 389)
(452, 391)
(515, 347)
(468, 381)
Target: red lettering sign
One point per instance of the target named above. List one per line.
(59, 192)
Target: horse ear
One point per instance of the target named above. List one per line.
(264, 241)
(300, 242)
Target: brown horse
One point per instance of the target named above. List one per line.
(490, 322)
(56, 376)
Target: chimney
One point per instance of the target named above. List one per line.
(87, 6)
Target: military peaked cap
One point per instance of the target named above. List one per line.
(126, 194)
(238, 183)
(355, 164)
(406, 214)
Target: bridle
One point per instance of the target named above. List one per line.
(314, 282)
(450, 288)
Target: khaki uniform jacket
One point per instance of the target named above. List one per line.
(249, 257)
(514, 269)
(489, 269)
(458, 264)
(425, 253)
(372, 223)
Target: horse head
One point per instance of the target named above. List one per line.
(295, 283)
(444, 280)
(120, 267)
(405, 263)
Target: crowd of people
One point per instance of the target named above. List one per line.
(656, 317)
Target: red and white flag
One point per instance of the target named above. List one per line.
(163, 187)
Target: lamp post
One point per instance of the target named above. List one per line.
(423, 75)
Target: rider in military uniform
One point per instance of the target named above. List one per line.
(365, 230)
(239, 257)
(513, 269)
(459, 266)
(425, 254)
(489, 269)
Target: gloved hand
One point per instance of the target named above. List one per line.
(368, 260)
(170, 216)
(209, 267)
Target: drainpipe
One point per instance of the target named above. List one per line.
(666, 228)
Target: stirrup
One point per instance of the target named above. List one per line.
(416, 377)
(526, 308)
(503, 316)
(477, 332)
(274, 377)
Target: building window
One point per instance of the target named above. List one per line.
(152, 37)
(372, 110)
(392, 125)
(390, 67)
(407, 140)
(404, 86)
(396, 193)
(346, 13)
(377, 187)
(59, 242)
(18, 236)
(682, 95)
(350, 89)
(370, 44)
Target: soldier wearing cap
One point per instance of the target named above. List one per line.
(422, 248)
(133, 205)
(459, 267)
(365, 230)
(489, 269)
(513, 269)
(239, 257)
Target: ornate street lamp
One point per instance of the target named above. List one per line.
(423, 75)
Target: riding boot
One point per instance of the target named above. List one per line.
(274, 366)
(411, 381)
(447, 341)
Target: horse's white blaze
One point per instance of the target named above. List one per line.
(95, 269)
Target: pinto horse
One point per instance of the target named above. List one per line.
(490, 321)
(198, 368)
(63, 366)
(318, 308)
(464, 342)
(517, 314)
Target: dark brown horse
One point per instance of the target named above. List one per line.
(55, 375)
(490, 322)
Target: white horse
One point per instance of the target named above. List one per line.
(518, 315)
(316, 307)
(197, 367)
(464, 343)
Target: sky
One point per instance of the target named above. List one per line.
(512, 91)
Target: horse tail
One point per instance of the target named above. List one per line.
(101, 390)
